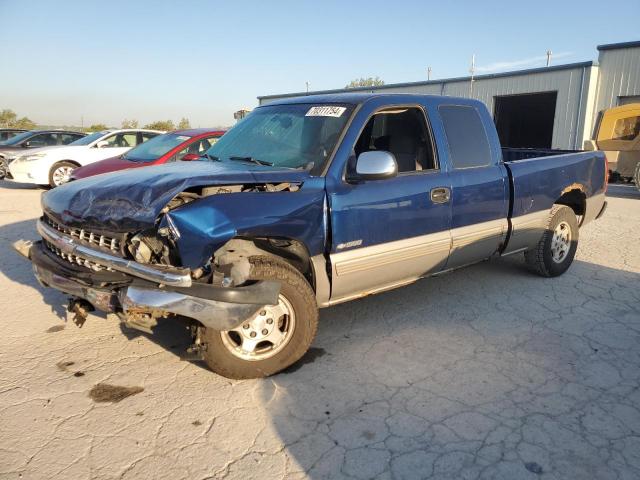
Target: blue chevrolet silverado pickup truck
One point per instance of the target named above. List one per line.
(306, 203)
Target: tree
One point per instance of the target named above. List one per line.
(96, 127)
(9, 119)
(184, 123)
(166, 125)
(24, 123)
(129, 123)
(365, 82)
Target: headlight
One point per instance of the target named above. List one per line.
(145, 247)
(139, 249)
(30, 158)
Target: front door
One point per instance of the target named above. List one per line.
(391, 231)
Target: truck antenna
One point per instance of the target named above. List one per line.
(472, 70)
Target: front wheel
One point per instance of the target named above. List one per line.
(60, 173)
(276, 337)
(554, 253)
(636, 176)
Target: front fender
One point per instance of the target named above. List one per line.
(206, 224)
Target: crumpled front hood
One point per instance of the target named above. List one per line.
(131, 200)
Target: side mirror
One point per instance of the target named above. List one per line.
(26, 144)
(190, 157)
(376, 165)
(102, 144)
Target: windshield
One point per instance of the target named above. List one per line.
(90, 138)
(17, 139)
(155, 148)
(290, 136)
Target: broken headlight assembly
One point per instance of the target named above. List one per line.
(146, 247)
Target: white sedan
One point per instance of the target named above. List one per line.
(53, 165)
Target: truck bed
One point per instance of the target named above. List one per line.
(538, 182)
(515, 154)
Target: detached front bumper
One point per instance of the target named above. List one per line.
(218, 308)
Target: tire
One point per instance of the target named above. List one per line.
(547, 260)
(224, 353)
(636, 176)
(54, 178)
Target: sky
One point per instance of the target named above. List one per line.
(68, 61)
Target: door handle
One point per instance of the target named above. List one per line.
(440, 195)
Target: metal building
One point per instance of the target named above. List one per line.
(549, 107)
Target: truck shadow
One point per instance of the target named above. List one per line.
(431, 371)
(623, 190)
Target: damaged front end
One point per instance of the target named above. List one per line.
(99, 276)
(153, 243)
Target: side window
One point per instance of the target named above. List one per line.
(121, 140)
(402, 131)
(67, 138)
(467, 139)
(178, 156)
(42, 140)
(198, 147)
(626, 128)
(207, 143)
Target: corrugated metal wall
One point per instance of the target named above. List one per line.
(619, 76)
(569, 107)
(569, 126)
(583, 90)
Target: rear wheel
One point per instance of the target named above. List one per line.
(636, 176)
(60, 173)
(557, 247)
(275, 337)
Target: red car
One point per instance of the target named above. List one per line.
(170, 147)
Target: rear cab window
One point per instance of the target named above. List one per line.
(466, 136)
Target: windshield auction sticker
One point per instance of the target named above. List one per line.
(325, 111)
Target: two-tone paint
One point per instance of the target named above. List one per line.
(361, 237)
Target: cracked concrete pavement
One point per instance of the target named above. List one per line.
(488, 372)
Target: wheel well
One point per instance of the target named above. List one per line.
(574, 199)
(288, 250)
(64, 161)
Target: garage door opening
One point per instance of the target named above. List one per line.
(525, 121)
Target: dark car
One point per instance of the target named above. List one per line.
(13, 147)
(7, 133)
(170, 147)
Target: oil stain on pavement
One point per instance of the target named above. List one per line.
(104, 392)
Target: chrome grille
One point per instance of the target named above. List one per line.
(91, 238)
(75, 259)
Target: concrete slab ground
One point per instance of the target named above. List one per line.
(488, 372)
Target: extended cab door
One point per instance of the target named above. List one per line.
(390, 231)
(479, 184)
